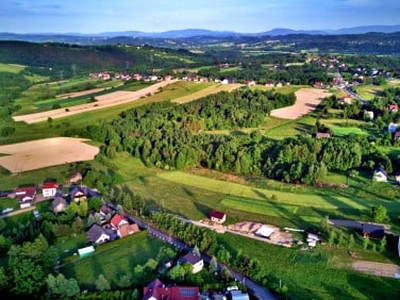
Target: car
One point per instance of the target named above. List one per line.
(232, 288)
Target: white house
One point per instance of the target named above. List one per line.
(380, 175)
(49, 189)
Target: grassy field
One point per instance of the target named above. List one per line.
(343, 131)
(205, 89)
(319, 274)
(113, 259)
(10, 68)
(318, 200)
(369, 91)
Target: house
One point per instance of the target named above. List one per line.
(126, 230)
(49, 189)
(373, 231)
(106, 210)
(25, 195)
(392, 127)
(397, 177)
(217, 217)
(321, 135)
(393, 107)
(78, 193)
(74, 178)
(319, 84)
(58, 205)
(97, 235)
(157, 290)
(117, 221)
(369, 115)
(192, 259)
(380, 175)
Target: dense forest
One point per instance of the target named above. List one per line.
(178, 136)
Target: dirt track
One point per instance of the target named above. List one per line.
(377, 269)
(45, 153)
(307, 100)
(104, 101)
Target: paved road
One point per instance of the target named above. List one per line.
(257, 290)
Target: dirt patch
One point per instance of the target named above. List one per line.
(307, 100)
(278, 237)
(104, 101)
(377, 269)
(44, 153)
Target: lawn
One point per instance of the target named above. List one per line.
(113, 260)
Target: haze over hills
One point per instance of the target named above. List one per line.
(187, 33)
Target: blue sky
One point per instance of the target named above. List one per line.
(95, 16)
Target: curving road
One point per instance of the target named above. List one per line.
(257, 290)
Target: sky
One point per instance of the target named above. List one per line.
(245, 16)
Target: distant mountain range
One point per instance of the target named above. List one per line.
(186, 35)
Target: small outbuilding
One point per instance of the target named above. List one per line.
(265, 231)
(218, 217)
(84, 252)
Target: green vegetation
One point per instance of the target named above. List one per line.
(11, 68)
(221, 151)
(113, 259)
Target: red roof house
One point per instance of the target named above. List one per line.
(26, 193)
(117, 221)
(157, 290)
(126, 230)
(218, 217)
(49, 189)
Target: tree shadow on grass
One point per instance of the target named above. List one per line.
(374, 287)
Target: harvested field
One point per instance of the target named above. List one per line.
(44, 153)
(104, 101)
(377, 269)
(307, 100)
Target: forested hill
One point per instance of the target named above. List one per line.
(59, 56)
(366, 43)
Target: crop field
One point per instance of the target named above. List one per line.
(306, 101)
(44, 153)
